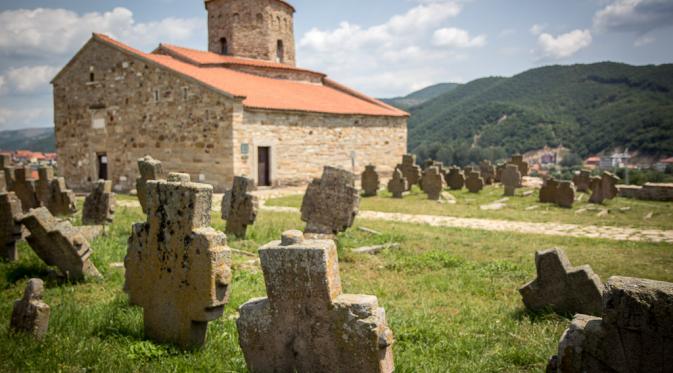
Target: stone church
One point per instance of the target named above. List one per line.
(241, 108)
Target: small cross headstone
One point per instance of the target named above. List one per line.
(31, 314)
(433, 183)
(330, 203)
(582, 181)
(474, 183)
(455, 178)
(25, 189)
(99, 205)
(53, 194)
(511, 179)
(10, 228)
(150, 169)
(520, 163)
(487, 170)
(410, 170)
(239, 207)
(604, 187)
(178, 268)
(398, 184)
(306, 324)
(370, 181)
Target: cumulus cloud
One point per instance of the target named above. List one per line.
(640, 16)
(565, 45)
(29, 79)
(457, 38)
(537, 29)
(13, 118)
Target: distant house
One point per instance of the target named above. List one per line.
(616, 160)
(663, 164)
(592, 162)
(548, 158)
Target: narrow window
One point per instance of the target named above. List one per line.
(185, 93)
(156, 95)
(280, 52)
(260, 18)
(92, 77)
(224, 46)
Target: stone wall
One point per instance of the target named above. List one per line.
(648, 192)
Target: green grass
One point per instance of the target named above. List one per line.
(467, 206)
(450, 296)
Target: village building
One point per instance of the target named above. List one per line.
(242, 108)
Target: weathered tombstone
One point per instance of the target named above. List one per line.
(178, 268)
(150, 169)
(474, 183)
(562, 287)
(410, 170)
(31, 314)
(398, 184)
(25, 189)
(10, 228)
(549, 190)
(633, 335)
(330, 203)
(455, 178)
(467, 170)
(487, 170)
(433, 183)
(565, 196)
(306, 324)
(603, 188)
(582, 181)
(7, 173)
(3, 184)
(43, 186)
(239, 207)
(53, 194)
(99, 205)
(520, 163)
(511, 179)
(370, 181)
(59, 244)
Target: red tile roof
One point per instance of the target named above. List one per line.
(267, 93)
(667, 160)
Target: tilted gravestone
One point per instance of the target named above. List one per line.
(474, 183)
(582, 181)
(603, 188)
(178, 268)
(562, 287)
(306, 324)
(25, 189)
(59, 244)
(549, 191)
(487, 170)
(398, 184)
(433, 183)
(53, 194)
(370, 181)
(511, 179)
(10, 228)
(410, 170)
(455, 178)
(331, 202)
(150, 169)
(99, 205)
(565, 196)
(30, 313)
(239, 207)
(520, 163)
(633, 334)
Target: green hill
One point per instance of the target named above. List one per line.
(587, 108)
(419, 97)
(34, 139)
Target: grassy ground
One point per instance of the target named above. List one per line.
(450, 296)
(468, 204)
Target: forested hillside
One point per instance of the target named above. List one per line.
(35, 139)
(419, 97)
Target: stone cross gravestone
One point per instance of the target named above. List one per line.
(511, 179)
(398, 184)
(370, 181)
(306, 324)
(474, 183)
(455, 178)
(603, 188)
(433, 183)
(10, 228)
(25, 189)
(520, 163)
(7, 173)
(178, 268)
(410, 170)
(331, 202)
(239, 207)
(549, 190)
(99, 205)
(565, 196)
(30, 313)
(487, 170)
(59, 244)
(582, 181)
(150, 169)
(53, 194)
(562, 287)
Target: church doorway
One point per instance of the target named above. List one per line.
(102, 162)
(264, 166)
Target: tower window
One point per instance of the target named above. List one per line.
(260, 18)
(224, 46)
(92, 77)
(237, 17)
(280, 52)
(156, 95)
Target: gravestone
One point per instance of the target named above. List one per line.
(499, 169)
(410, 170)
(511, 179)
(633, 334)
(455, 178)
(53, 194)
(59, 244)
(306, 324)
(7, 173)
(520, 163)
(25, 189)
(331, 202)
(549, 190)
(398, 184)
(582, 181)
(30, 314)
(370, 181)
(99, 205)
(3, 185)
(239, 207)
(565, 196)
(150, 169)
(467, 170)
(433, 183)
(178, 268)
(474, 183)
(603, 188)
(487, 170)
(562, 287)
(10, 228)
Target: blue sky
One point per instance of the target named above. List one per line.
(384, 48)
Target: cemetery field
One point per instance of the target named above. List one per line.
(622, 212)
(450, 296)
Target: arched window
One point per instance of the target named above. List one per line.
(280, 52)
(224, 47)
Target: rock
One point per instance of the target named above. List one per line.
(527, 193)
(150, 169)
(603, 188)
(99, 205)
(493, 206)
(398, 184)
(648, 216)
(370, 181)
(433, 183)
(562, 287)
(474, 182)
(625, 209)
(306, 324)
(602, 213)
(239, 206)
(582, 181)
(178, 268)
(31, 314)
(455, 178)
(375, 249)
(330, 203)
(10, 228)
(410, 170)
(531, 208)
(511, 179)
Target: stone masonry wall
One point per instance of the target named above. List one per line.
(189, 128)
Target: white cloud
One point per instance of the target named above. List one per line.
(563, 46)
(16, 118)
(457, 38)
(537, 29)
(644, 40)
(30, 79)
(638, 16)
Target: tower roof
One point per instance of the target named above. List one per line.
(280, 1)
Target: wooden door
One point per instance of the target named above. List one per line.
(264, 166)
